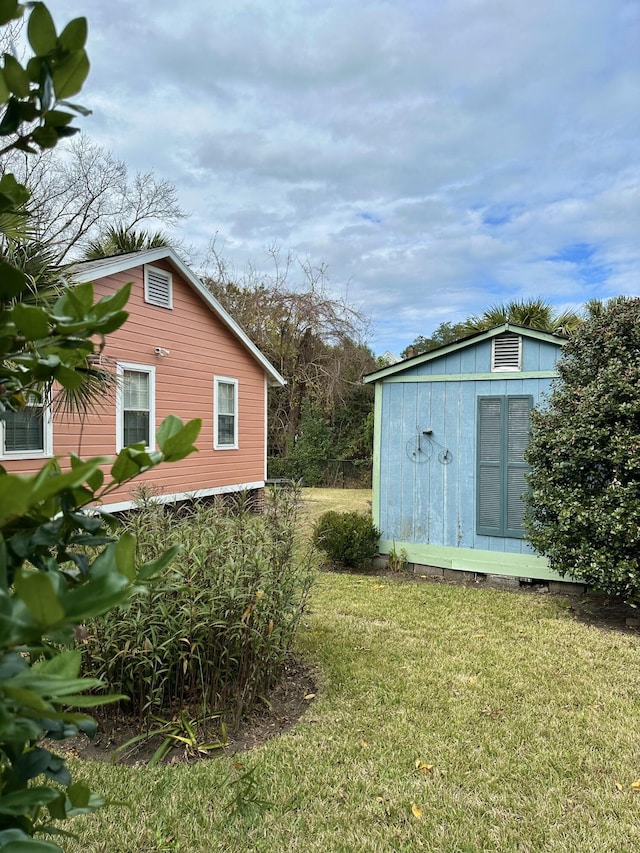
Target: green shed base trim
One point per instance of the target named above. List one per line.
(529, 566)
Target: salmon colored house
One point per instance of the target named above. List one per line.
(180, 353)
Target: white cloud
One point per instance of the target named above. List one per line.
(437, 156)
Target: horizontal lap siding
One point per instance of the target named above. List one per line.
(200, 347)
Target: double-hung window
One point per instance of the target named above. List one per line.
(135, 410)
(503, 435)
(26, 433)
(225, 416)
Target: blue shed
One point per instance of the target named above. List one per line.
(451, 427)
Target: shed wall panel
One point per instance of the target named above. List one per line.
(428, 502)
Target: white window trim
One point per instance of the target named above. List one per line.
(47, 440)
(121, 366)
(149, 268)
(225, 380)
(508, 368)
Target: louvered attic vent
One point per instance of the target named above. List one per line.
(506, 353)
(158, 287)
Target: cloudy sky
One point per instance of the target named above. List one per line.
(438, 156)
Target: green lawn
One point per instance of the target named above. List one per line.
(524, 723)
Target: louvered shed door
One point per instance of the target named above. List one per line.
(490, 465)
(503, 433)
(518, 425)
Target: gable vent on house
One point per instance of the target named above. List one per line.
(158, 287)
(506, 353)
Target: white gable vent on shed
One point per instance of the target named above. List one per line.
(506, 353)
(158, 287)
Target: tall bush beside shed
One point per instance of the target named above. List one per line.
(583, 509)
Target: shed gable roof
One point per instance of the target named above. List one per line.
(89, 270)
(471, 340)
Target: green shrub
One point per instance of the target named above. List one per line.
(583, 509)
(214, 632)
(346, 537)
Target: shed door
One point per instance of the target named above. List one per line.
(503, 434)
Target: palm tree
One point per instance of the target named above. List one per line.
(119, 240)
(46, 282)
(534, 313)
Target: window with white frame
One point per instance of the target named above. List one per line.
(135, 408)
(225, 418)
(26, 434)
(158, 287)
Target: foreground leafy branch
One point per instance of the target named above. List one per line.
(59, 564)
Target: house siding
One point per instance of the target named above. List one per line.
(200, 346)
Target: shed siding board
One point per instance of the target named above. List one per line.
(200, 347)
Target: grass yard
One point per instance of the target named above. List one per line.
(317, 501)
(447, 719)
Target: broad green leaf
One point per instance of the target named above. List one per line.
(5, 94)
(11, 121)
(70, 479)
(78, 794)
(32, 763)
(111, 323)
(124, 468)
(45, 137)
(74, 35)
(69, 76)
(180, 444)
(57, 118)
(114, 302)
(126, 555)
(169, 427)
(80, 700)
(68, 377)
(15, 76)
(31, 321)
(153, 568)
(9, 9)
(66, 664)
(27, 698)
(57, 808)
(54, 687)
(16, 192)
(21, 802)
(41, 30)
(95, 802)
(16, 495)
(13, 282)
(4, 581)
(96, 597)
(82, 298)
(38, 593)
(13, 844)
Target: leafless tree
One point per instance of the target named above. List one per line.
(316, 340)
(79, 192)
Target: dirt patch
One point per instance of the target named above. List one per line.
(287, 702)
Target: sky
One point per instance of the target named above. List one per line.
(437, 156)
